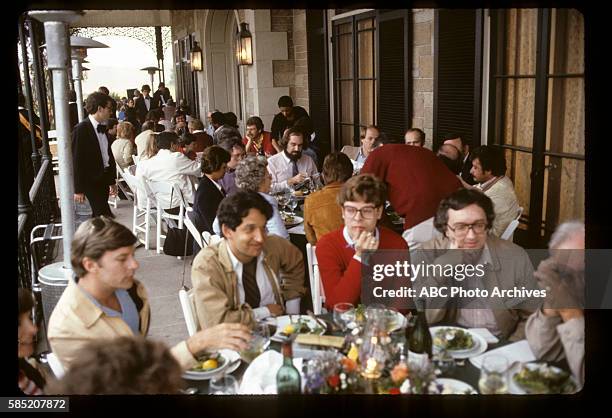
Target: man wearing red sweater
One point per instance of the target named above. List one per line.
(417, 181)
(339, 252)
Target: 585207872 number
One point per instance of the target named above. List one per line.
(39, 404)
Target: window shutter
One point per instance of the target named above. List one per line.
(394, 72)
(457, 78)
(318, 89)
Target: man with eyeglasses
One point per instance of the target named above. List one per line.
(94, 165)
(339, 252)
(465, 219)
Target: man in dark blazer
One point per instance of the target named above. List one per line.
(145, 103)
(94, 165)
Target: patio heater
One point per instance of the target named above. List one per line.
(151, 71)
(78, 48)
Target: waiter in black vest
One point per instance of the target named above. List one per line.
(94, 165)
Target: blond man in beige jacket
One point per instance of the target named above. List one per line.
(106, 301)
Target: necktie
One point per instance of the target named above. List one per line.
(295, 169)
(249, 283)
(101, 128)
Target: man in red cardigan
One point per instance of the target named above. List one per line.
(339, 252)
(417, 181)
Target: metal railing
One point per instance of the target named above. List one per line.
(44, 210)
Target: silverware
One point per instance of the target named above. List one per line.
(317, 320)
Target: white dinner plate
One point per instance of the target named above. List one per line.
(205, 375)
(480, 344)
(283, 321)
(516, 389)
(296, 221)
(455, 387)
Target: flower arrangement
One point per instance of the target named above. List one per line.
(332, 372)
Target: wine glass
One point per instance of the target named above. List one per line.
(344, 314)
(260, 339)
(282, 199)
(493, 375)
(223, 385)
(292, 204)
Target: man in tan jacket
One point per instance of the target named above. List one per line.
(247, 276)
(465, 218)
(106, 301)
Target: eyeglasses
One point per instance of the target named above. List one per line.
(367, 212)
(461, 229)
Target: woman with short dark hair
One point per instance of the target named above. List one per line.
(210, 193)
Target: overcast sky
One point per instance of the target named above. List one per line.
(118, 67)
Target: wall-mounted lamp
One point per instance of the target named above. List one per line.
(196, 57)
(244, 46)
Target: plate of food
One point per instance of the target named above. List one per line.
(540, 378)
(289, 325)
(208, 365)
(445, 386)
(300, 194)
(291, 220)
(459, 342)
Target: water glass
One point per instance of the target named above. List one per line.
(293, 204)
(223, 385)
(493, 375)
(344, 314)
(260, 337)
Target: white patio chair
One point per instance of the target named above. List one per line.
(143, 211)
(55, 365)
(192, 228)
(209, 239)
(316, 287)
(121, 185)
(188, 307)
(157, 189)
(509, 232)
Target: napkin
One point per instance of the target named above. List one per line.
(518, 351)
(486, 334)
(298, 229)
(322, 340)
(260, 377)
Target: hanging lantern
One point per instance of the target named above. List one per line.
(196, 57)
(244, 47)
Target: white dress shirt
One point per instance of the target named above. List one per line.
(102, 141)
(265, 289)
(147, 101)
(281, 169)
(274, 226)
(172, 167)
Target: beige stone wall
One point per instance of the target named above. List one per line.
(301, 59)
(292, 72)
(182, 23)
(422, 72)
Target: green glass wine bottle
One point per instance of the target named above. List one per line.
(288, 381)
(419, 338)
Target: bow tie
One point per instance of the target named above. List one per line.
(101, 128)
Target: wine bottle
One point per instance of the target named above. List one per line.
(288, 381)
(419, 338)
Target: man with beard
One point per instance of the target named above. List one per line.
(290, 167)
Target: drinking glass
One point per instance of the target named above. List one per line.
(344, 314)
(293, 204)
(260, 338)
(282, 199)
(223, 385)
(493, 375)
